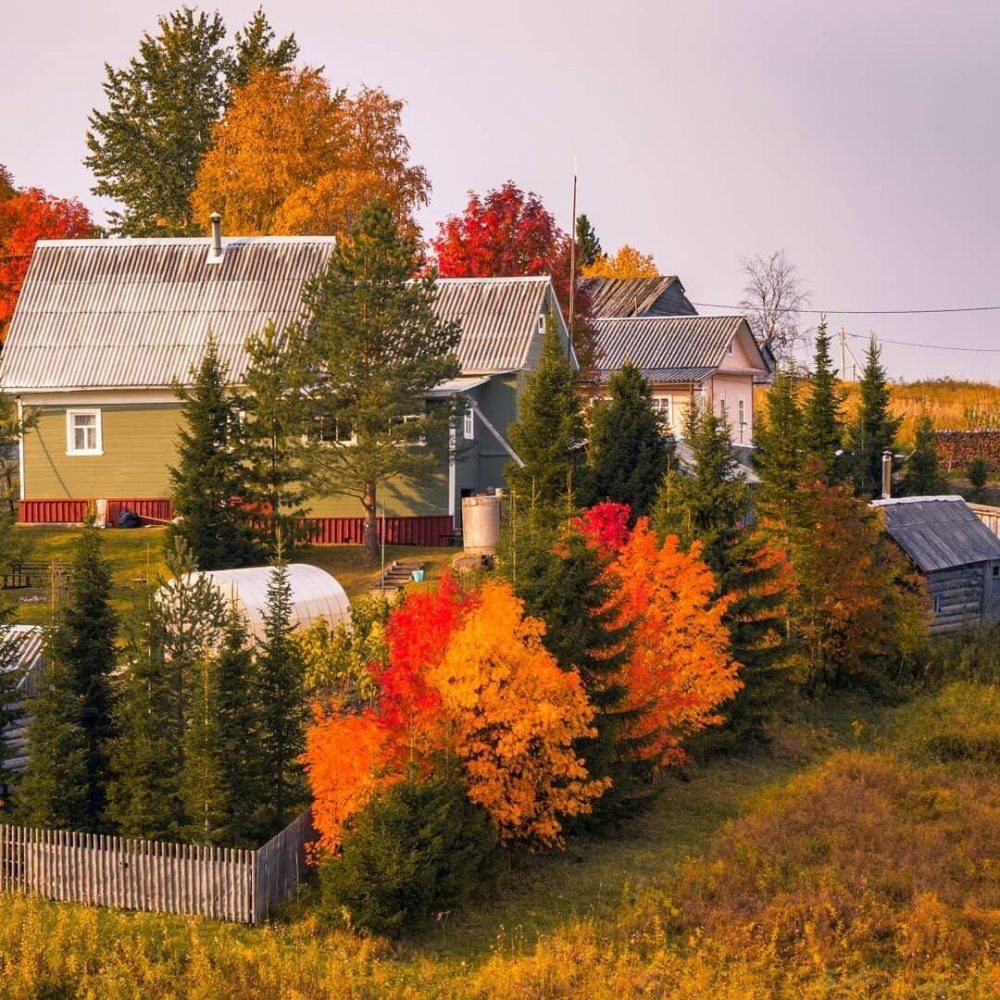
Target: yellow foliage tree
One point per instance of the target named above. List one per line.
(626, 263)
(292, 158)
(515, 715)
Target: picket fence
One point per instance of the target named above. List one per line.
(217, 882)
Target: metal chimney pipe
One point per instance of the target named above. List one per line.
(886, 474)
(216, 235)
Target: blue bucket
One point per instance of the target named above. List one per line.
(418, 576)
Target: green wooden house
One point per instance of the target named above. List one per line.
(103, 329)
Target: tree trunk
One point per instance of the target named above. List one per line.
(370, 503)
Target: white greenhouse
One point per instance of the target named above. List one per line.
(315, 594)
(30, 640)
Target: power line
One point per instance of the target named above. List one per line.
(863, 312)
(929, 347)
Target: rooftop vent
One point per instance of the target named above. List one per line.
(215, 251)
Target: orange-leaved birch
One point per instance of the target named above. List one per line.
(514, 716)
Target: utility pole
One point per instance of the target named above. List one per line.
(572, 259)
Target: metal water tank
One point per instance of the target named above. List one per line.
(480, 524)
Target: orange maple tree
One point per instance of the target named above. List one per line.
(25, 217)
(468, 682)
(680, 669)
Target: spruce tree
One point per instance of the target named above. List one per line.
(629, 452)
(549, 431)
(922, 475)
(143, 797)
(208, 483)
(274, 473)
(561, 580)
(873, 429)
(73, 710)
(779, 456)
(280, 736)
(238, 713)
(588, 244)
(822, 427)
(710, 504)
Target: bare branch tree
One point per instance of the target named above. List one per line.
(773, 298)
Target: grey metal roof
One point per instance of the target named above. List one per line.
(938, 532)
(677, 348)
(137, 312)
(624, 297)
(499, 318)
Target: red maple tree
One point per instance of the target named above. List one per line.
(507, 233)
(27, 216)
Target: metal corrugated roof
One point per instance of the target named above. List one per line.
(938, 532)
(624, 297)
(499, 318)
(137, 312)
(678, 348)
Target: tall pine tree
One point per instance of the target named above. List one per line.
(629, 451)
(370, 353)
(208, 482)
(873, 429)
(779, 457)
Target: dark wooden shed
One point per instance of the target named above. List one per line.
(956, 553)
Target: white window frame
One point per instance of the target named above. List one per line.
(469, 424)
(71, 428)
(664, 406)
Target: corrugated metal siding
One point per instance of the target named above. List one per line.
(666, 343)
(42, 511)
(939, 533)
(499, 318)
(137, 313)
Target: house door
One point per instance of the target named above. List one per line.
(991, 593)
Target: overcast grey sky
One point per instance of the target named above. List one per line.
(859, 136)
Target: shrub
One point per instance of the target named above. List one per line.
(962, 723)
(415, 849)
(972, 655)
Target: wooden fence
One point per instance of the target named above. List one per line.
(217, 882)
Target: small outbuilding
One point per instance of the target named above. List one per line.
(957, 554)
(315, 594)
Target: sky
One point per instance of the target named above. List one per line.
(859, 137)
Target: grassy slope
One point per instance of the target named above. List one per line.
(136, 556)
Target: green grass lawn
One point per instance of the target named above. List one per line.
(136, 557)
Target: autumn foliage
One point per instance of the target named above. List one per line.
(679, 670)
(506, 233)
(26, 217)
(626, 263)
(468, 681)
(291, 157)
